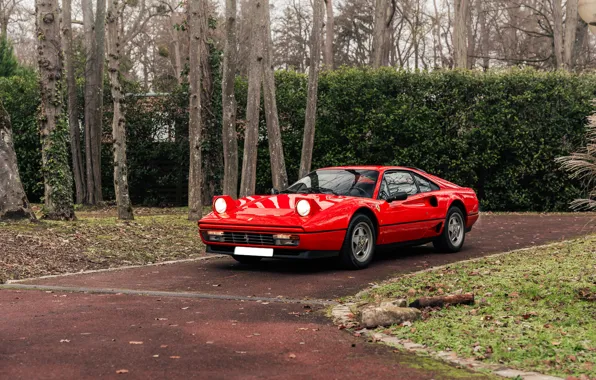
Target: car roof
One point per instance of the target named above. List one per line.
(373, 167)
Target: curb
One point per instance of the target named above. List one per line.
(342, 315)
(158, 293)
(210, 257)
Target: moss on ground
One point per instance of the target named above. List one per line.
(531, 310)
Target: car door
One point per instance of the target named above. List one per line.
(408, 220)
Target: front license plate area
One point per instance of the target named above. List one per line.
(250, 251)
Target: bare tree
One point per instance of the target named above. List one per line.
(195, 176)
(276, 152)
(54, 133)
(484, 48)
(13, 200)
(329, 25)
(379, 32)
(570, 30)
(73, 111)
(115, 8)
(251, 136)
(8, 10)
(313, 84)
(558, 33)
(94, 29)
(229, 134)
(460, 43)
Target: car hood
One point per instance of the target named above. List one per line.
(279, 211)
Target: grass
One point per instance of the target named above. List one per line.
(96, 240)
(531, 310)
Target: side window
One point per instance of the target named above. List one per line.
(396, 182)
(425, 185)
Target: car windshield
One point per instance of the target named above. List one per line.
(350, 182)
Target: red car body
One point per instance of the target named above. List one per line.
(253, 221)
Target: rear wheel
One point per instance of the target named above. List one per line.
(359, 244)
(454, 232)
(248, 260)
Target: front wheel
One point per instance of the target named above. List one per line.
(359, 244)
(454, 232)
(248, 260)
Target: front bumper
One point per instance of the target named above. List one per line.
(311, 244)
(278, 253)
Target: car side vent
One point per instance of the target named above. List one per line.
(438, 227)
(433, 201)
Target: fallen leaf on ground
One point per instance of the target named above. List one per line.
(174, 357)
(292, 356)
(64, 341)
(209, 342)
(121, 371)
(161, 319)
(135, 342)
(163, 346)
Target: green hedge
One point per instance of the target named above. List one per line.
(498, 132)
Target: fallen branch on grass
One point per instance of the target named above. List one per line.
(440, 301)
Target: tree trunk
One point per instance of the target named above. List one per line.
(253, 103)
(54, 133)
(379, 32)
(437, 30)
(279, 175)
(470, 54)
(94, 45)
(195, 176)
(211, 134)
(313, 84)
(229, 135)
(329, 25)
(570, 30)
(13, 200)
(460, 45)
(558, 33)
(581, 34)
(484, 34)
(73, 114)
(118, 119)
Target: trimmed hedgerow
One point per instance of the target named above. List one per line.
(497, 132)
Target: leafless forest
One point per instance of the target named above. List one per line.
(399, 33)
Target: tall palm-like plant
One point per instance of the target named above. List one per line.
(582, 165)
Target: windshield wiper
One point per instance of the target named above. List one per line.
(318, 189)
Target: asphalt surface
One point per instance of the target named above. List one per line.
(78, 335)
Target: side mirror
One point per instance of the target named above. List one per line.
(399, 196)
(274, 191)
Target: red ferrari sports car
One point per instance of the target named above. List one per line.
(346, 212)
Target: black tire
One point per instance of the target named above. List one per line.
(452, 243)
(364, 255)
(247, 260)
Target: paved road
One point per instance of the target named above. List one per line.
(232, 337)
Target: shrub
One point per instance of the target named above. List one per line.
(582, 166)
